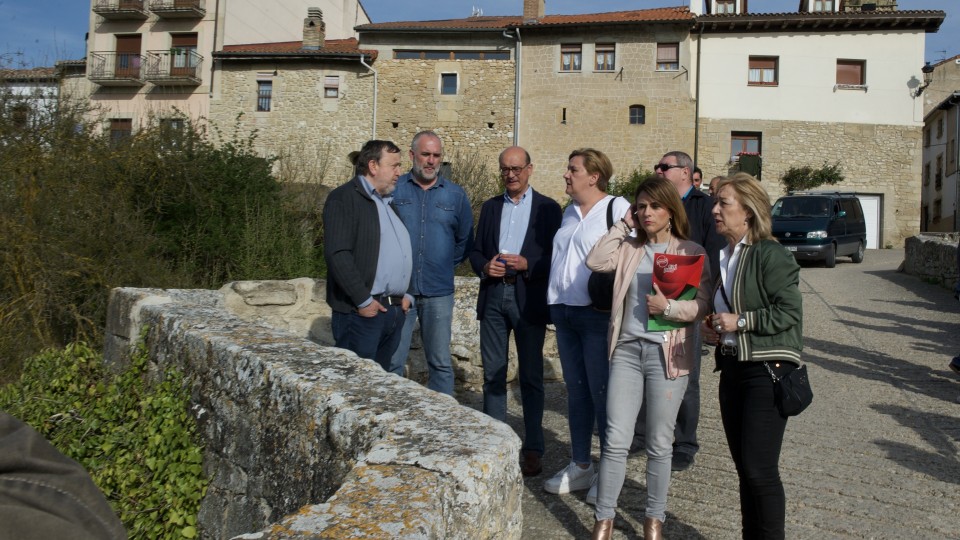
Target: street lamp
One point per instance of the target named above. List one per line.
(927, 70)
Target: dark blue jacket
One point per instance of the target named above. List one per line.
(531, 288)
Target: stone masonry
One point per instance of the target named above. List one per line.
(307, 441)
(311, 134)
(875, 159)
(933, 258)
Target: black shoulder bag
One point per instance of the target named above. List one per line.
(600, 284)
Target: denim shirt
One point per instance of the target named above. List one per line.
(440, 223)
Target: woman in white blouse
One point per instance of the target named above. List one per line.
(581, 329)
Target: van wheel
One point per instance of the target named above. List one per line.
(857, 256)
(831, 259)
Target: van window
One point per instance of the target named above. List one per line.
(802, 207)
(852, 208)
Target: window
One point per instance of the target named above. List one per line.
(926, 137)
(127, 64)
(822, 5)
(172, 124)
(606, 56)
(448, 84)
(940, 128)
(726, 7)
(937, 210)
(120, 129)
(450, 55)
(264, 94)
(851, 72)
(638, 114)
(668, 56)
(331, 86)
(926, 174)
(763, 71)
(744, 142)
(938, 178)
(20, 115)
(183, 51)
(570, 57)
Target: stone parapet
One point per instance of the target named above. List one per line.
(932, 257)
(307, 441)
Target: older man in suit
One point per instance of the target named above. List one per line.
(368, 255)
(511, 254)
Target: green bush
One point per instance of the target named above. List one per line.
(806, 177)
(136, 439)
(626, 186)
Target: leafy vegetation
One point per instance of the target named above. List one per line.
(806, 177)
(134, 438)
(626, 186)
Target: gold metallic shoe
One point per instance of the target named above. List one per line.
(652, 529)
(603, 530)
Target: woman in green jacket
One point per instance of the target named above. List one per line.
(757, 320)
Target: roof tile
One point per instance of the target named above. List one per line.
(668, 14)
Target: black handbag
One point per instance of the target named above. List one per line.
(791, 392)
(600, 284)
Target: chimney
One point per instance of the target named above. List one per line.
(533, 10)
(314, 29)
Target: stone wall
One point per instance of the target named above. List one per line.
(477, 120)
(875, 159)
(312, 134)
(933, 257)
(307, 441)
(597, 103)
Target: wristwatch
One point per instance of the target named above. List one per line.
(741, 322)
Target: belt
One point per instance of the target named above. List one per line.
(387, 300)
(728, 350)
(509, 280)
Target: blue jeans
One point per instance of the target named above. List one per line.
(754, 430)
(501, 316)
(638, 375)
(375, 338)
(582, 344)
(436, 317)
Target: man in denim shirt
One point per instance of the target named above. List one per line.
(438, 217)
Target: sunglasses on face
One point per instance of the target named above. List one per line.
(664, 167)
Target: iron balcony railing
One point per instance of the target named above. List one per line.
(178, 9)
(121, 9)
(174, 66)
(115, 68)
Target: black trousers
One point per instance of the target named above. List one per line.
(754, 430)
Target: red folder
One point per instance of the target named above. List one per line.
(678, 277)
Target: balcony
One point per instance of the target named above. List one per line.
(173, 67)
(116, 69)
(121, 10)
(178, 9)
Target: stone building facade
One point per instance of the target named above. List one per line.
(318, 109)
(564, 110)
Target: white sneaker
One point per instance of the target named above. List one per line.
(592, 494)
(571, 478)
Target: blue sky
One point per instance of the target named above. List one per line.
(40, 32)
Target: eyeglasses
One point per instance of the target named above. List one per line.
(664, 167)
(506, 171)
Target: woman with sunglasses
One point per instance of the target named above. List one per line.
(645, 365)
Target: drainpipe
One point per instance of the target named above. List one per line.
(696, 107)
(216, 16)
(956, 170)
(518, 63)
(373, 128)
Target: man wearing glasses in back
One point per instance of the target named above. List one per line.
(511, 254)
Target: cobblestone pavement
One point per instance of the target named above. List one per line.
(875, 456)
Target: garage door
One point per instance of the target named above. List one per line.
(871, 214)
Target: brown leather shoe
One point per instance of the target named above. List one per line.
(602, 529)
(530, 463)
(652, 529)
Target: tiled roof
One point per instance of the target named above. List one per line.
(951, 60)
(669, 14)
(927, 20)
(331, 47)
(33, 74)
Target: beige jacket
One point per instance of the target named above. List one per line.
(618, 251)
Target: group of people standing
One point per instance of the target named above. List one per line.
(391, 246)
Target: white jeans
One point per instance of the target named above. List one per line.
(637, 371)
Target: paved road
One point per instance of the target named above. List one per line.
(875, 456)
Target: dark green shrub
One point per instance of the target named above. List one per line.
(625, 186)
(806, 177)
(136, 439)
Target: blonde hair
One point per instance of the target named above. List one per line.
(595, 162)
(752, 197)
